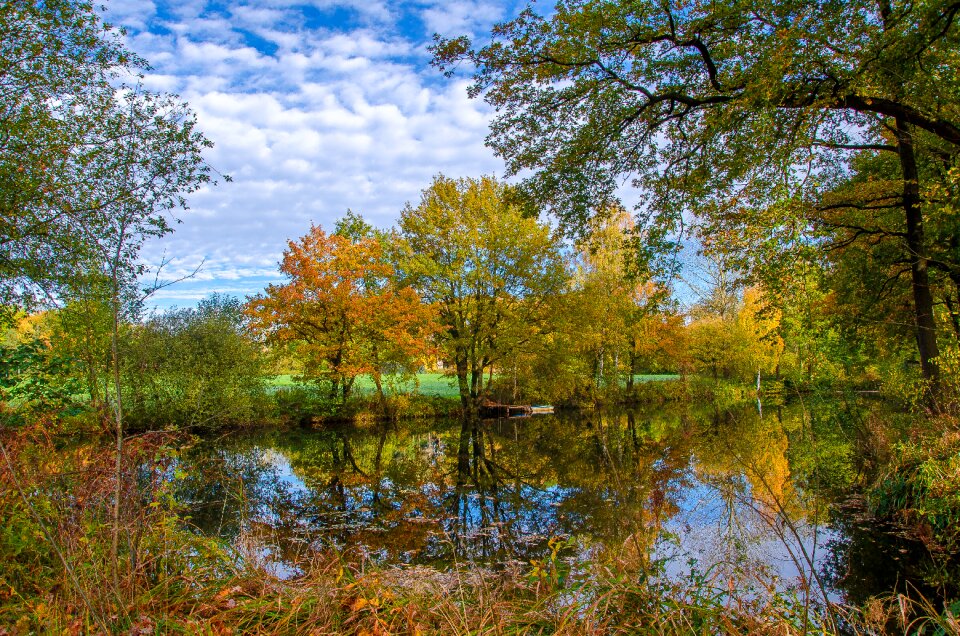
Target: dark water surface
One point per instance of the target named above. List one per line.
(738, 492)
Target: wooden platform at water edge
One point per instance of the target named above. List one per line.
(495, 409)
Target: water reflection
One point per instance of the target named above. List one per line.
(742, 494)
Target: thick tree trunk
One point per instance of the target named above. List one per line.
(476, 379)
(922, 297)
(378, 381)
(463, 384)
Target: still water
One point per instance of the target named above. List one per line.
(746, 492)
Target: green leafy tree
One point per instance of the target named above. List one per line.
(91, 167)
(195, 368)
(489, 270)
(35, 378)
(722, 110)
(89, 159)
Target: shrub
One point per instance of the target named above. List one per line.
(920, 494)
(194, 368)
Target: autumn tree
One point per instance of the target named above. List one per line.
(618, 295)
(488, 269)
(724, 111)
(603, 327)
(342, 311)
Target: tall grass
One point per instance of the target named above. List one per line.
(56, 500)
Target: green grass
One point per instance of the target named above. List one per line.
(430, 384)
(655, 377)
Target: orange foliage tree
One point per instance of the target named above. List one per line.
(342, 312)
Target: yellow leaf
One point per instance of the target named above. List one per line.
(358, 604)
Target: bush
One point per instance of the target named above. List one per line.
(919, 494)
(194, 368)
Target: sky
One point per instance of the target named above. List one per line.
(314, 107)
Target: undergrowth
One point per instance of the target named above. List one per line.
(59, 576)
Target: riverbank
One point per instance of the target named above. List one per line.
(60, 574)
(282, 399)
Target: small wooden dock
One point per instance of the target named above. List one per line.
(495, 409)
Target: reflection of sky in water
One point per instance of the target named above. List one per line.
(283, 471)
(408, 497)
(745, 540)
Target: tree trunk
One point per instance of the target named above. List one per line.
(922, 297)
(118, 422)
(462, 383)
(377, 380)
(476, 378)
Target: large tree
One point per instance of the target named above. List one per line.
(90, 163)
(722, 110)
(469, 249)
(341, 309)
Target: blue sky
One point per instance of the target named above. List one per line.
(315, 106)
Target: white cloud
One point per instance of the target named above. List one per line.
(454, 17)
(326, 118)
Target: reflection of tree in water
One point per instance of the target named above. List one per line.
(225, 487)
(499, 490)
(765, 523)
(483, 490)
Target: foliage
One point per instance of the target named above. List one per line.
(194, 368)
(34, 382)
(55, 545)
(609, 323)
(343, 313)
(490, 271)
(919, 493)
(91, 162)
(742, 345)
(740, 117)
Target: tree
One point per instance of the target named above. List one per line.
(489, 270)
(721, 110)
(618, 295)
(342, 310)
(91, 167)
(81, 147)
(197, 368)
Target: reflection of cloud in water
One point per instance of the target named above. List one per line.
(280, 464)
(724, 529)
(632, 487)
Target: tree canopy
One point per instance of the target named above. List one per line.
(743, 115)
(91, 164)
(342, 309)
(468, 249)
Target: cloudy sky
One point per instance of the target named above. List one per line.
(315, 106)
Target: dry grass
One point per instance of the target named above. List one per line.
(54, 547)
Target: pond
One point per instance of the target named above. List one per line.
(749, 493)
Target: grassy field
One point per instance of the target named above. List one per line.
(431, 384)
(655, 377)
